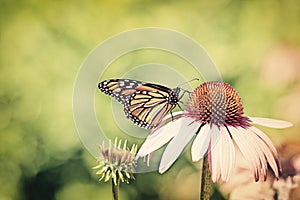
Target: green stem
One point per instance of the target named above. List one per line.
(115, 188)
(205, 180)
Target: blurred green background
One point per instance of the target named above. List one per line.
(255, 44)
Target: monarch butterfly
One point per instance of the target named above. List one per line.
(145, 104)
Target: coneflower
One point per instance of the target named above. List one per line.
(116, 162)
(215, 115)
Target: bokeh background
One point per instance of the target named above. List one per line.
(255, 44)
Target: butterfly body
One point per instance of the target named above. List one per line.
(145, 104)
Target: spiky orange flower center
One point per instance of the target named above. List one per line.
(217, 103)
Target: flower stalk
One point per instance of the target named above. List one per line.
(205, 186)
(115, 187)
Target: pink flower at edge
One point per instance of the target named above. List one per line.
(241, 185)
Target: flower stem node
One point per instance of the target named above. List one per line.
(116, 162)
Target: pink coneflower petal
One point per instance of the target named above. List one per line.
(221, 165)
(200, 144)
(268, 148)
(160, 137)
(176, 146)
(269, 157)
(256, 150)
(265, 138)
(228, 161)
(272, 123)
(247, 149)
(213, 155)
(262, 153)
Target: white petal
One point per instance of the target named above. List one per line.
(168, 118)
(200, 144)
(260, 148)
(160, 137)
(215, 148)
(270, 158)
(265, 138)
(272, 123)
(227, 154)
(222, 154)
(267, 147)
(257, 150)
(176, 146)
(246, 147)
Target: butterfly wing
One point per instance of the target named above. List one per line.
(145, 104)
(119, 89)
(147, 107)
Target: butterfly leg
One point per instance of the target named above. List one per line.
(185, 104)
(179, 105)
(184, 92)
(200, 128)
(172, 113)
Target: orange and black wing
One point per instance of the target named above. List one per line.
(120, 89)
(148, 106)
(145, 104)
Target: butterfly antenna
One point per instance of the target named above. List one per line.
(194, 79)
(184, 90)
